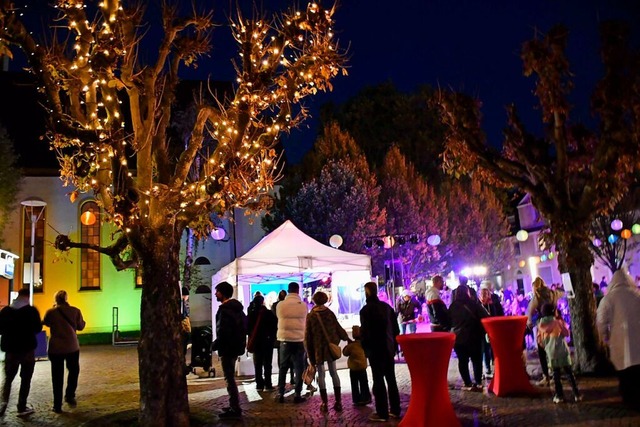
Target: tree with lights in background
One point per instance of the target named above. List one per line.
(106, 105)
(572, 173)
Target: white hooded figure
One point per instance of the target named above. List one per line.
(618, 322)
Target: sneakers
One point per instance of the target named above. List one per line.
(269, 388)
(377, 418)
(577, 398)
(467, 387)
(25, 411)
(71, 401)
(231, 414)
(299, 399)
(279, 398)
(363, 403)
(392, 415)
(57, 409)
(558, 399)
(477, 387)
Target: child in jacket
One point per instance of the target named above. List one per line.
(551, 335)
(357, 364)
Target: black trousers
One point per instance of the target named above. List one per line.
(383, 369)
(465, 352)
(263, 365)
(57, 375)
(359, 386)
(629, 381)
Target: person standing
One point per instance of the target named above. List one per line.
(379, 330)
(263, 325)
(322, 326)
(281, 296)
(408, 309)
(292, 316)
(618, 322)
(64, 321)
(231, 341)
(466, 314)
(437, 309)
(19, 325)
(357, 364)
(492, 305)
(541, 295)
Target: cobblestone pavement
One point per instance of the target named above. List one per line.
(108, 396)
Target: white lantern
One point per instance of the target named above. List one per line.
(616, 225)
(522, 235)
(433, 240)
(335, 241)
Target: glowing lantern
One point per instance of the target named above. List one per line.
(551, 255)
(635, 229)
(88, 218)
(543, 258)
(597, 242)
(218, 233)
(522, 263)
(522, 235)
(388, 241)
(616, 225)
(612, 238)
(626, 233)
(433, 240)
(335, 241)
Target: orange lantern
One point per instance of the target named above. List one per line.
(626, 233)
(522, 263)
(88, 218)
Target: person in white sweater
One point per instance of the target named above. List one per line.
(292, 315)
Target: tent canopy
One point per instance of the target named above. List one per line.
(287, 254)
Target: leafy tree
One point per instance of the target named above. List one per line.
(571, 172)
(477, 226)
(380, 117)
(10, 177)
(412, 208)
(107, 106)
(343, 198)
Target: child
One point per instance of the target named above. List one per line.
(357, 364)
(551, 335)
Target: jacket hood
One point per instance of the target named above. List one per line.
(620, 279)
(232, 304)
(546, 323)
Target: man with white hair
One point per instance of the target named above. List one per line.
(437, 309)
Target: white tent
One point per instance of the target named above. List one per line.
(287, 254)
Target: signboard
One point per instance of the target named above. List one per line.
(6, 264)
(568, 286)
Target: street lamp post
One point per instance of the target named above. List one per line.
(34, 216)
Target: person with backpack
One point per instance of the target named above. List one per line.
(231, 341)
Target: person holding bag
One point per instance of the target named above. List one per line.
(263, 325)
(323, 331)
(63, 321)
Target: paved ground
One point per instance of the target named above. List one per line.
(108, 396)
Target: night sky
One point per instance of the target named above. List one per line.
(467, 45)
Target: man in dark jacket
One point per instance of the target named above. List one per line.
(438, 315)
(263, 325)
(231, 340)
(19, 325)
(379, 331)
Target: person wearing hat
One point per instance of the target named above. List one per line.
(19, 325)
(407, 309)
(231, 341)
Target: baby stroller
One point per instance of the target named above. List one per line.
(201, 350)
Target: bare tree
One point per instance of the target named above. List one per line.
(107, 106)
(572, 173)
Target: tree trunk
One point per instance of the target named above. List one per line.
(163, 386)
(590, 355)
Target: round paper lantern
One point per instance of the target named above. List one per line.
(388, 241)
(612, 238)
(597, 242)
(522, 235)
(218, 233)
(433, 240)
(551, 255)
(616, 225)
(335, 241)
(543, 258)
(88, 218)
(522, 263)
(635, 229)
(625, 234)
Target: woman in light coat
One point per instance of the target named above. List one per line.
(618, 322)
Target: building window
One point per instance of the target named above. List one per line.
(89, 234)
(33, 215)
